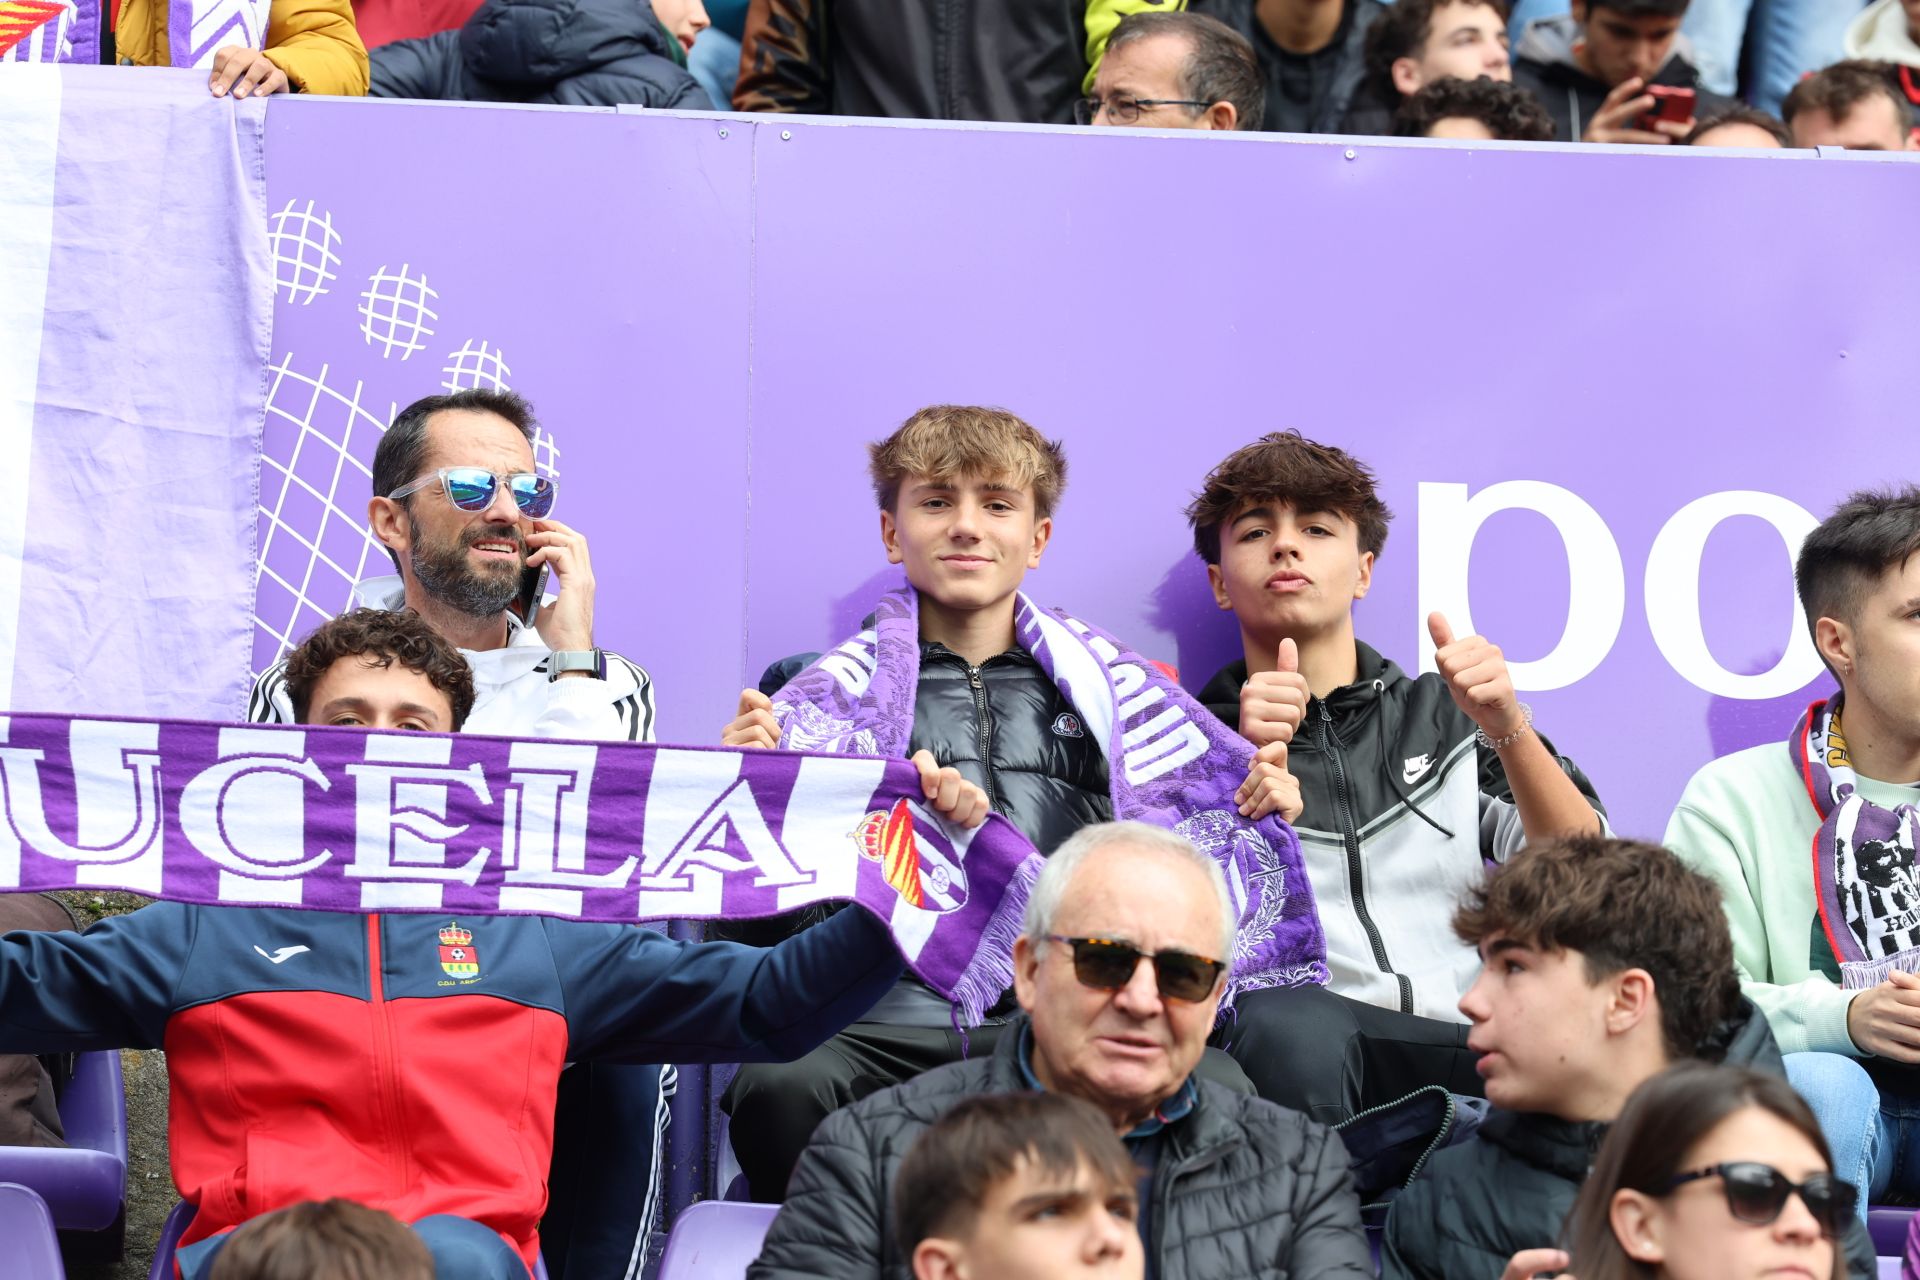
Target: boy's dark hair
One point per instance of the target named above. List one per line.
(1220, 67)
(1641, 8)
(1839, 88)
(1622, 904)
(402, 451)
(1285, 466)
(1843, 559)
(381, 637)
(1740, 113)
(1404, 27)
(1510, 113)
(324, 1240)
(945, 1177)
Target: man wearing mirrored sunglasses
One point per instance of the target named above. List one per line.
(1175, 71)
(467, 517)
(1119, 970)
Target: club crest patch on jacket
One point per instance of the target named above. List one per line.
(459, 958)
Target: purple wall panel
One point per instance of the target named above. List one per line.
(1642, 330)
(712, 327)
(597, 263)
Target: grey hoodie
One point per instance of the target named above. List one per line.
(1543, 64)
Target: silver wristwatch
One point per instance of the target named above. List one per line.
(591, 661)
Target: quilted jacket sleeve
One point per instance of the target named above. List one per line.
(833, 1221)
(316, 43)
(1327, 1236)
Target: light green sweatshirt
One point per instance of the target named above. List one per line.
(1747, 821)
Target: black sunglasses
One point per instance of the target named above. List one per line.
(1107, 965)
(1756, 1193)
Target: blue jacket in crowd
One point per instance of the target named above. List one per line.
(576, 53)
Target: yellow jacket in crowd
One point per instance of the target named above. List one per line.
(314, 41)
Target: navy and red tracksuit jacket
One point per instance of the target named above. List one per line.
(409, 1061)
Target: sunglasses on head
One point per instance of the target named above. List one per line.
(1107, 965)
(472, 489)
(1757, 1193)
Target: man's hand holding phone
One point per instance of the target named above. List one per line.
(1638, 112)
(568, 622)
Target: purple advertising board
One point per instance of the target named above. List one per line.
(1607, 392)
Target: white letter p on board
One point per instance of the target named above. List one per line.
(1596, 601)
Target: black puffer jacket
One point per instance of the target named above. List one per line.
(1242, 1189)
(1345, 65)
(1010, 60)
(1007, 728)
(576, 53)
(1512, 1186)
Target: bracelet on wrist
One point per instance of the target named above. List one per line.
(1501, 744)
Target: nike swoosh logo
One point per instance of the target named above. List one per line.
(1411, 775)
(283, 954)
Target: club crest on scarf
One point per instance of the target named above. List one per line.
(886, 837)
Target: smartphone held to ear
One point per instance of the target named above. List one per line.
(533, 589)
(1671, 103)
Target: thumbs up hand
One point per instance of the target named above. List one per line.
(1273, 703)
(1476, 674)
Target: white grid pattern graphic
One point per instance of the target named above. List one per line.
(476, 364)
(303, 248)
(320, 443)
(546, 454)
(394, 311)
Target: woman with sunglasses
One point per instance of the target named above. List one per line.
(1712, 1173)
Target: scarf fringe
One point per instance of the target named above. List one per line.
(1858, 975)
(990, 971)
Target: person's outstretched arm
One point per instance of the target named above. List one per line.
(108, 988)
(634, 995)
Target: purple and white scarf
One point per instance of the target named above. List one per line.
(69, 30)
(1864, 871)
(1170, 762)
(347, 820)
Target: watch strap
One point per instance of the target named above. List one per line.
(562, 661)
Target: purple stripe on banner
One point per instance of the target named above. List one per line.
(152, 390)
(344, 820)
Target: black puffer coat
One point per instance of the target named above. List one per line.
(1243, 1189)
(1007, 728)
(1512, 1186)
(576, 53)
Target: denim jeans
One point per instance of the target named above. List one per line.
(1789, 38)
(715, 63)
(462, 1249)
(1874, 1135)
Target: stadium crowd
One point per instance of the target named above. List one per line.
(1729, 73)
(1536, 1046)
(1533, 1044)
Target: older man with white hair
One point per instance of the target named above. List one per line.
(1119, 971)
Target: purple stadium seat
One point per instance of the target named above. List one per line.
(716, 1240)
(1888, 1227)
(33, 1253)
(176, 1227)
(85, 1183)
